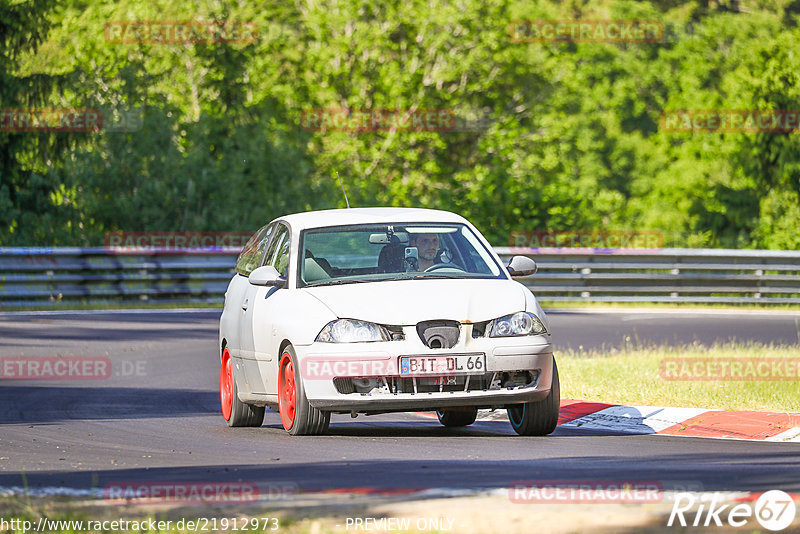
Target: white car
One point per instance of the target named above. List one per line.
(375, 310)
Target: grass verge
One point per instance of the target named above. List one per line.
(642, 376)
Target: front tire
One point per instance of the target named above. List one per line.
(457, 416)
(299, 418)
(538, 418)
(234, 411)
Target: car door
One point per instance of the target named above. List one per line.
(250, 257)
(257, 334)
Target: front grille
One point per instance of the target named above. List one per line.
(435, 384)
(392, 385)
(344, 385)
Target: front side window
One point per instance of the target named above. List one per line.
(253, 251)
(402, 251)
(278, 254)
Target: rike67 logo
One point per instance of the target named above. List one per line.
(774, 510)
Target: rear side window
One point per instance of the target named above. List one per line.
(253, 251)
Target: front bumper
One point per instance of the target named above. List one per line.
(530, 356)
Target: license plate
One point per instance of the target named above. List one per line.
(457, 364)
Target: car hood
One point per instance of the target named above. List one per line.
(407, 302)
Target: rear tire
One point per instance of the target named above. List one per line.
(455, 417)
(299, 418)
(538, 418)
(234, 411)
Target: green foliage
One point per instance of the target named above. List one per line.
(549, 136)
(26, 189)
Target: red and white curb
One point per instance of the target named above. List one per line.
(694, 422)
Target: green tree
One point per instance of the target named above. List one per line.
(33, 206)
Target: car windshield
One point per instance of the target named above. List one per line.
(402, 251)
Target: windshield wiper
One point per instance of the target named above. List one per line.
(441, 276)
(339, 282)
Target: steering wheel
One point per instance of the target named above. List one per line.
(437, 266)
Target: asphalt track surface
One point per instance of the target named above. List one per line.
(156, 418)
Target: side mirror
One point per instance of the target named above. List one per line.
(266, 276)
(521, 266)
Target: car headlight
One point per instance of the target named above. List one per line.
(517, 324)
(352, 331)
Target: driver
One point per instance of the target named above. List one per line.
(427, 247)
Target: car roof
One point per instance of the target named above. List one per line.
(338, 217)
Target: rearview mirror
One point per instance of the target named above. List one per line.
(521, 266)
(383, 238)
(266, 276)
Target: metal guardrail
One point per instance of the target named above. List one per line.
(39, 277)
(664, 275)
(42, 276)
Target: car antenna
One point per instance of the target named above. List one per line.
(343, 191)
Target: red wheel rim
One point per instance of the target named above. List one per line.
(226, 385)
(287, 391)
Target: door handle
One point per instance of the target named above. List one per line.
(245, 303)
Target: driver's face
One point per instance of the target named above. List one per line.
(427, 245)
